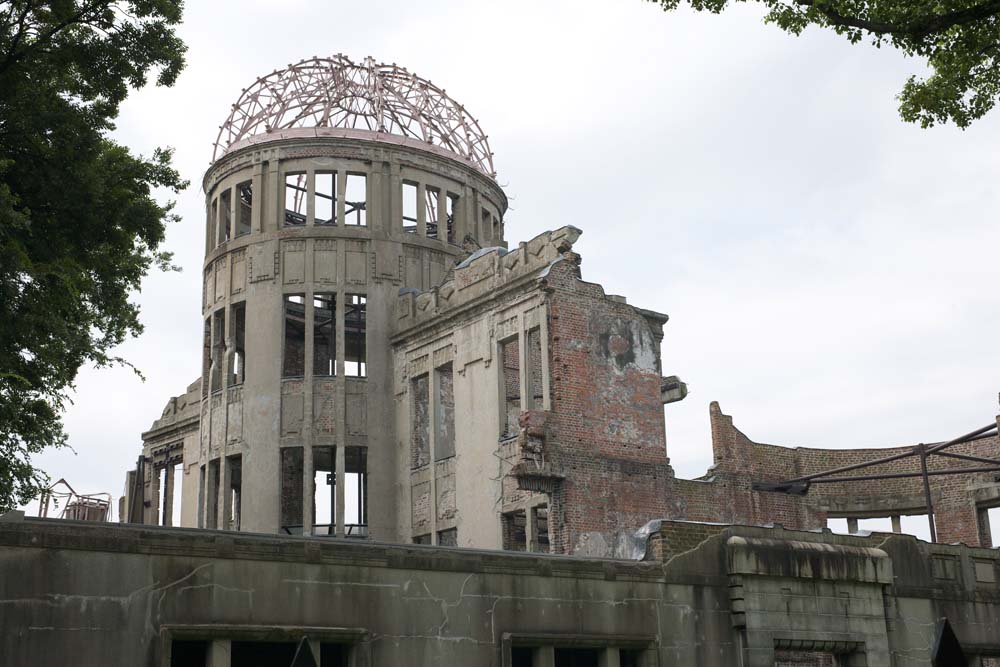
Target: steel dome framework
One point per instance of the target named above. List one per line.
(336, 92)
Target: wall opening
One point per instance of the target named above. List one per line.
(261, 654)
(294, 349)
(910, 524)
(225, 214)
(325, 196)
(325, 490)
(448, 537)
(213, 224)
(244, 214)
(510, 355)
(325, 334)
(452, 216)
(577, 657)
(534, 375)
(202, 475)
(206, 357)
(291, 490)
(212, 496)
(355, 348)
(432, 197)
(356, 200)
(410, 207)
(789, 658)
(485, 222)
(295, 199)
(176, 490)
(420, 423)
(164, 494)
(188, 652)
(237, 371)
(444, 436)
(540, 529)
(515, 536)
(422, 539)
(356, 492)
(234, 493)
(218, 347)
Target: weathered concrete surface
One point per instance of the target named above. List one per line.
(116, 595)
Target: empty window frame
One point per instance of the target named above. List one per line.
(325, 197)
(452, 216)
(325, 334)
(792, 658)
(218, 347)
(225, 214)
(324, 490)
(294, 348)
(448, 538)
(511, 368)
(187, 652)
(355, 336)
(206, 357)
(432, 200)
(291, 490)
(213, 221)
(485, 225)
(201, 496)
(533, 358)
(444, 435)
(422, 539)
(234, 493)
(355, 492)
(420, 423)
(410, 220)
(356, 200)
(170, 477)
(237, 371)
(497, 229)
(295, 199)
(212, 496)
(515, 535)
(540, 529)
(244, 207)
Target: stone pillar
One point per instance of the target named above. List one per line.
(852, 525)
(897, 526)
(609, 657)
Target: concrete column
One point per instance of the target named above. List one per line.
(543, 656)
(442, 213)
(897, 526)
(276, 198)
(341, 193)
(340, 464)
(421, 211)
(219, 653)
(530, 530)
(257, 185)
(168, 496)
(151, 514)
(852, 525)
(433, 384)
(543, 333)
(340, 383)
(522, 363)
(311, 197)
(308, 474)
(609, 657)
(222, 494)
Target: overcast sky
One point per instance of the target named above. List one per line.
(830, 272)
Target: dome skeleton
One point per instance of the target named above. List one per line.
(336, 92)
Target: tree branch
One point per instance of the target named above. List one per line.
(916, 29)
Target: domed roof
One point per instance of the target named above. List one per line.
(336, 92)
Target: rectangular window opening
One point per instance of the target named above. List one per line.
(218, 348)
(244, 213)
(325, 490)
(515, 537)
(410, 207)
(295, 199)
(356, 492)
(356, 200)
(355, 337)
(225, 214)
(534, 374)
(577, 657)
(510, 354)
(325, 334)
(540, 541)
(233, 496)
(201, 496)
(213, 224)
(188, 652)
(326, 198)
(161, 485)
(212, 497)
(448, 538)
(432, 197)
(452, 217)
(261, 654)
(444, 441)
(485, 215)
(237, 370)
(291, 490)
(422, 539)
(175, 519)
(420, 423)
(206, 357)
(294, 354)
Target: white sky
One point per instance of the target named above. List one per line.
(830, 272)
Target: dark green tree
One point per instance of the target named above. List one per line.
(960, 40)
(79, 223)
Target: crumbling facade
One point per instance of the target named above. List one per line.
(379, 363)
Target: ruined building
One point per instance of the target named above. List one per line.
(385, 377)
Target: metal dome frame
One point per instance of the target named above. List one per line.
(336, 92)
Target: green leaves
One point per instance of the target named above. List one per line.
(959, 38)
(79, 227)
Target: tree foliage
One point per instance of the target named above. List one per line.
(79, 223)
(960, 40)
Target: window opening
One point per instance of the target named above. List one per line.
(510, 353)
(325, 334)
(993, 523)
(444, 440)
(485, 215)
(212, 499)
(218, 347)
(161, 485)
(325, 490)
(577, 657)
(432, 198)
(786, 658)
(422, 539)
(225, 214)
(175, 519)
(233, 500)
(915, 525)
(244, 213)
(206, 357)
(187, 652)
(201, 496)
(355, 350)
(497, 229)
(294, 356)
(237, 371)
(326, 198)
(356, 492)
(333, 655)
(540, 543)
(261, 654)
(420, 435)
(410, 208)
(295, 199)
(356, 200)
(448, 538)
(514, 531)
(213, 222)
(629, 658)
(291, 490)
(534, 374)
(520, 656)
(452, 214)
